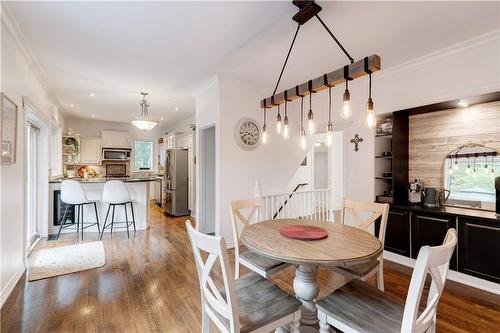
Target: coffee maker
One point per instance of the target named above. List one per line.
(497, 190)
(415, 191)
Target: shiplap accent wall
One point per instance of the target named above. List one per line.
(434, 135)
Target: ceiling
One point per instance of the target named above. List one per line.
(117, 49)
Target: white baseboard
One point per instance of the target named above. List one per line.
(462, 278)
(5, 293)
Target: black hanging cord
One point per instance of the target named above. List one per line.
(286, 60)
(329, 104)
(351, 59)
(369, 72)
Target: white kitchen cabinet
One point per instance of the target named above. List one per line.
(90, 150)
(171, 142)
(116, 139)
(185, 141)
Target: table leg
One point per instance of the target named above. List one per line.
(306, 289)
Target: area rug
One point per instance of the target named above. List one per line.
(67, 259)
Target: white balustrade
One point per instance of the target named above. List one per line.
(309, 204)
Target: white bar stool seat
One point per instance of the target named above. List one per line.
(115, 193)
(73, 195)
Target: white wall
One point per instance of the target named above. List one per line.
(18, 79)
(467, 69)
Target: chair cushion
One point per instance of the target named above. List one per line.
(361, 269)
(261, 262)
(363, 308)
(260, 302)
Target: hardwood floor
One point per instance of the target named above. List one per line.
(149, 284)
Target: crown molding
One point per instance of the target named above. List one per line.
(474, 42)
(11, 26)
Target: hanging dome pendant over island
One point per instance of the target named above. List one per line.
(144, 123)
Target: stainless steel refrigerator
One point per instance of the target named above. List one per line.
(175, 190)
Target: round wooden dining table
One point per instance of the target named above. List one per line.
(344, 246)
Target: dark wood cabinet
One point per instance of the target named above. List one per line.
(397, 233)
(479, 248)
(430, 229)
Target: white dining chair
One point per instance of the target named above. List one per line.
(263, 266)
(360, 307)
(73, 195)
(248, 304)
(354, 210)
(115, 193)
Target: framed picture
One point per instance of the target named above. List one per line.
(8, 129)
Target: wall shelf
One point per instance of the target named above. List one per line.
(384, 157)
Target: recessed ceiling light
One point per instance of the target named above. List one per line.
(93, 116)
(162, 118)
(91, 94)
(176, 109)
(462, 103)
(72, 105)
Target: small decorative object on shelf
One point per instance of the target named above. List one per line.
(385, 198)
(385, 127)
(387, 154)
(356, 140)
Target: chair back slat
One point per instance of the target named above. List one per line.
(213, 302)
(239, 221)
(376, 210)
(434, 261)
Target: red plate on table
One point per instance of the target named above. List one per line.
(303, 232)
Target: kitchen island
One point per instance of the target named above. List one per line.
(138, 187)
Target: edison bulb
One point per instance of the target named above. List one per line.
(371, 121)
(329, 139)
(278, 127)
(456, 165)
(346, 110)
(468, 170)
(451, 171)
(303, 142)
(346, 105)
(310, 126)
(264, 137)
(285, 131)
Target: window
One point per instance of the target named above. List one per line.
(469, 188)
(143, 155)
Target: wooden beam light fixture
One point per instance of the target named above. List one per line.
(354, 70)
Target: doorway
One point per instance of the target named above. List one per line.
(207, 175)
(32, 182)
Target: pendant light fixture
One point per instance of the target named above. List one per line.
(278, 122)
(368, 65)
(371, 120)
(346, 105)
(302, 129)
(310, 114)
(456, 163)
(285, 122)
(329, 127)
(144, 123)
(264, 128)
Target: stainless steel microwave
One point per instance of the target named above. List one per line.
(116, 154)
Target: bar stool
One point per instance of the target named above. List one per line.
(115, 193)
(73, 195)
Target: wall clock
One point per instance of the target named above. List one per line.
(247, 134)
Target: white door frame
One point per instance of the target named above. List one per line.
(33, 114)
(201, 204)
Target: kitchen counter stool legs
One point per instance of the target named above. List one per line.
(116, 193)
(73, 195)
(128, 223)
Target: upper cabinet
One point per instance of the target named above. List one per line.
(90, 150)
(116, 139)
(185, 142)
